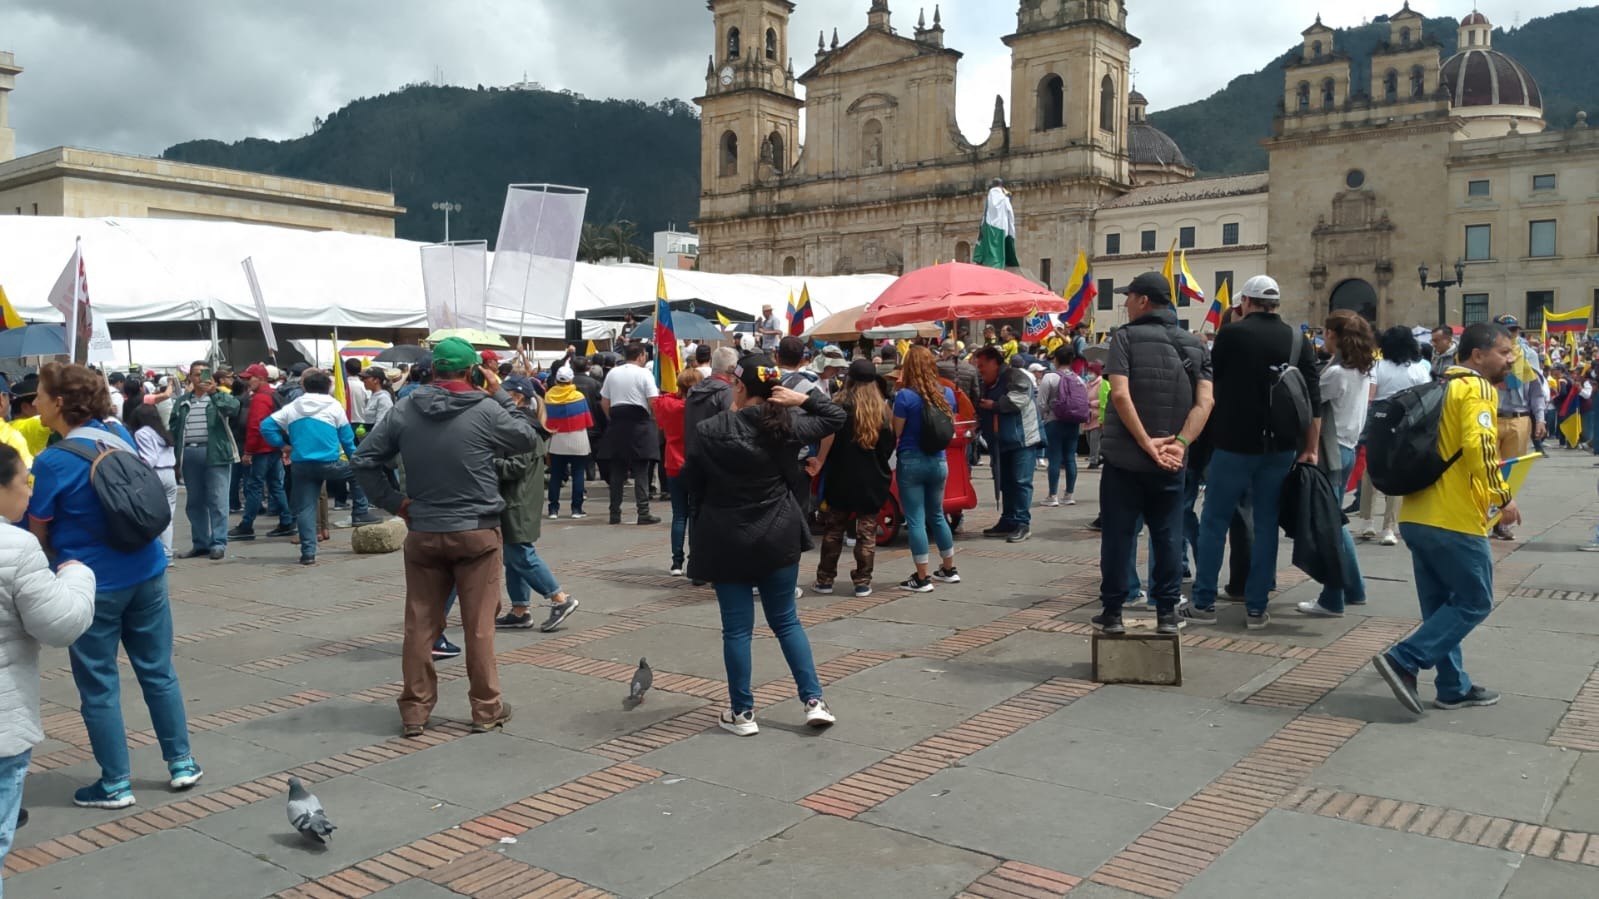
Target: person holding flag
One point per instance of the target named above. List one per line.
(996, 238)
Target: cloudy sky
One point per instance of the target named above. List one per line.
(139, 75)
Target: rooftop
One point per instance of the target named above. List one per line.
(1202, 189)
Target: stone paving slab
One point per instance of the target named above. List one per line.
(794, 760)
(1541, 878)
(486, 772)
(154, 866)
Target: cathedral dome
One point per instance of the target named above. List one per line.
(1146, 144)
(1480, 76)
(1475, 18)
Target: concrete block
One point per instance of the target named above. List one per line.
(1138, 659)
(385, 537)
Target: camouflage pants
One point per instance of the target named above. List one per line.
(834, 525)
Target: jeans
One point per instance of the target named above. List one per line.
(1125, 497)
(236, 486)
(1062, 449)
(308, 480)
(737, 602)
(1016, 486)
(921, 480)
(13, 770)
(524, 572)
(169, 482)
(1593, 427)
(679, 493)
(560, 468)
(1093, 446)
(1334, 598)
(207, 504)
(140, 619)
(1232, 475)
(1454, 585)
(266, 477)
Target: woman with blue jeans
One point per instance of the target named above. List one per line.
(747, 530)
(921, 475)
(1061, 435)
(1345, 389)
(130, 603)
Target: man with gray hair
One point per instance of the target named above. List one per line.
(710, 397)
(952, 367)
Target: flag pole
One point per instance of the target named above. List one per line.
(77, 297)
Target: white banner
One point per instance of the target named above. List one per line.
(101, 350)
(537, 249)
(454, 283)
(260, 304)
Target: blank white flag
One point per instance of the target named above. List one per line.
(537, 249)
(454, 281)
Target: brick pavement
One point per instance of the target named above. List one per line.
(973, 756)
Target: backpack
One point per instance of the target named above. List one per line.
(1289, 413)
(1401, 439)
(938, 429)
(1070, 403)
(131, 495)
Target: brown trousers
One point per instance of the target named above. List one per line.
(469, 561)
(1515, 438)
(834, 525)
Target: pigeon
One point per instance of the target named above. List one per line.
(307, 815)
(642, 678)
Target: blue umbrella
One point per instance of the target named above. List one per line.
(686, 325)
(33, 340)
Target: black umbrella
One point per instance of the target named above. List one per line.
(404, 354)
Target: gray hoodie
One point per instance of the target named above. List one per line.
(448, 441)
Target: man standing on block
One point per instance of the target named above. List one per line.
(1445, 526)
(448, 434)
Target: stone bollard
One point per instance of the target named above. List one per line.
(385, 537)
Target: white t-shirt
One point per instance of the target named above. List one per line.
(358, 395)
(1348, 391)
(629, 385)
(770, 341)
(1391, 378)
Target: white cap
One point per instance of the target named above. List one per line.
(564, 376)
(1036, 366)
(272, 373)
(1261, 287)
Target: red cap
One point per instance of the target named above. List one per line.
(490, 357)
(255, 371)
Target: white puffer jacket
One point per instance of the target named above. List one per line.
(36, 606)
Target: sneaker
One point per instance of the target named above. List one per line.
(495, 723)
(308, 560)
(1096, 525)
(799, 594)
(1050, 500)
(917, 584)
(739, 723)
(1368, 531)
(554, 514)
(850, 542)
(1193, 614)
(1020, 534)
(1067, 500)
(1169, 623)
(1476, 696)
(412, 731)
(616, 518)
(998, 531)
(283, 530)
(578, 515)
(1590, 548)
(185, 773)
(241, 532)
(1257, 620)
(444, 649)
(819, 587)
(511, 621)
(216, 555)
(649, 519)
(1402, 682)
(818, 715)
(675, 571)
(103, 795)
(1109, 623)
(1233, 594)
(946, 575)
(863, 590)
(367, 518)
(1503, 532)
(559, 614)
(1388, 538)
(1317, 610)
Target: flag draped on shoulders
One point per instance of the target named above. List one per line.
(996, 239)
(1080, 292)
(668, 361)
(566, 411)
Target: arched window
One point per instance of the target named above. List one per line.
(1404, 37)
(1328, 91)
(1418, 82)
(1302, 96)
(1315, 49)
(963, 252)
(771, 44)
(1051, 103)
(729, 166)
(1107, 104)
(772, 152)
(733, 47)
(872, 144)
(1390, 86)
(790, 267)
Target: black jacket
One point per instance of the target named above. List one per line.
(857, 479)
(706, 400)
(747, 523)
(965, 375)
(1243, 356)
(589, 386)
(1312, 517)
(1163, 365)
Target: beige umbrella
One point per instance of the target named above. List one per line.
(841, 326)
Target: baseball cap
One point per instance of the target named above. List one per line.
(1507, 321)
(273, 373)
(256, 370)
(758, 375)
(564, 376)
(1149, 284)
(26, 388)
(1261, 287)
(299, 368)
(491, 358)
(375, 371)
(1036, 366)
(454, 354)
(519, 384)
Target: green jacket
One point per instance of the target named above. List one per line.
(522, 489)
(220, 447)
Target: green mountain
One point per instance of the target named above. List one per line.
(640, 162)
(1221, 133)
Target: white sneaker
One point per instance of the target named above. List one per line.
(1590, 548)
(817, 714)
(676, 571)
(742, 724)
(1317, 610)
(1388, 538)
(849, 542)
(1368, 531)
(577, 515)
(799, 594)
(1050, 501)
(1068, 501)
(554, 515)
(1043, 463)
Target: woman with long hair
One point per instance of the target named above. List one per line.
(154, 444)
(1345, 392)
(922, 475)
(748, 529)
(669, 409)
(130, 601)
(855, 476)
(1400, 368)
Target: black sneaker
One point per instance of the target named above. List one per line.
(368, 518)
(1096, 525)
(284, 531)
(511, 621)
(649, 519)
(917, 584)
(196, 554)
(1192, 614)
(616, 518)
(1167, 623)
(308, 560)
(1476, 696)
(216, 555)
(559, 614)
(1402, 682)
(1020, 534)
(241, 533)
(946, 575)
(444, 649)
(1109, 623)
(998, 530)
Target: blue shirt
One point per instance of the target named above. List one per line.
(64, 499)
(908, 405)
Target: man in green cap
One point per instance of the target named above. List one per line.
(448, 434)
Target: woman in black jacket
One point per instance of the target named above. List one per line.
(856, 476)
(747, 531)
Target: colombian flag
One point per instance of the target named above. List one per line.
(1188, 290)
(1573, 322)
(1080, 292)
(1169, 272)
(667, 361)
(797, 314)
(1569, 415)
(1218, 308)
(8, 316)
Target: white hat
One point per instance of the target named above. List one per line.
(272, 373)
(564, 375)
(1036, 366)
(1261, 287)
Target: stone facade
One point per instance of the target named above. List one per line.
(9, 70)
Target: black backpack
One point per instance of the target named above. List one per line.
(131, 495)
(938, 429)
(1401, 439)
(1289, 414)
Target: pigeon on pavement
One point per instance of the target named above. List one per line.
(307, 815)
(642, 679)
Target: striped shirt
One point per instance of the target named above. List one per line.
(194, 427)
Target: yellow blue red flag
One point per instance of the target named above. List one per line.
(668, 362)
(1188, 289)
(799, 312)
(1219, 307)
(1080, 292)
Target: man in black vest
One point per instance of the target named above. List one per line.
(1160, 394)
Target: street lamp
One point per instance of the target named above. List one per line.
(1442, 285)
(447, 208)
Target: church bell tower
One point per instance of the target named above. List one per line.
(749, 115)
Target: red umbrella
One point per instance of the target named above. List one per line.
(958, 290)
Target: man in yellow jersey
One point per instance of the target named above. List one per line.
(1445, 526)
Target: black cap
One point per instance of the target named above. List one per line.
(26, 388)
(299, 368)
(1149, 284)
(863, 370)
